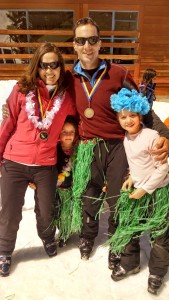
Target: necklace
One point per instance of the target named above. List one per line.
(89, 112)
(43, 113)
(47, 120)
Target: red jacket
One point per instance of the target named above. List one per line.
(104, 124)
(19, 139)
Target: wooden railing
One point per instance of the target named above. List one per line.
(15, 70)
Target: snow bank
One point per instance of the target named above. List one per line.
(6, 87)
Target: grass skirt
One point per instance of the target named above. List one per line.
(149, 213)
(65, 213)
(70, 203)
(81, 177)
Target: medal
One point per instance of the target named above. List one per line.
(89, 113)
(43, 135)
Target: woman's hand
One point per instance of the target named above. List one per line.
(162, 150)
(127, 184)
(5, 111)
(137, 193)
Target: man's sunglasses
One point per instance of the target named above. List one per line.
(92, 40)
(53, 65)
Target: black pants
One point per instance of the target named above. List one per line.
(110, 165)
(14, 182)
(159, 255)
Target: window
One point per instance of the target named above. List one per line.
(118, 21)
(36, 20)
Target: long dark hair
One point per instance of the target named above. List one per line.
(29, 80)
(148, 75)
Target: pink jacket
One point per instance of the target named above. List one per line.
(19, 139)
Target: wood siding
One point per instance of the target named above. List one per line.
(153, 28)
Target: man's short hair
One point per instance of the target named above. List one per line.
(84, 21)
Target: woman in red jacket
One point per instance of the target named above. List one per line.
(38, 106)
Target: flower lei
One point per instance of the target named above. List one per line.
(47, 121)
(65, 172)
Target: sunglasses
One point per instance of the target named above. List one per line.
(92, 40)
(53, 65)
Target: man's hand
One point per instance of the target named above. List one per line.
(162, 149)
(32, 185)
(5, 111)
(127, 184)
(137, 193)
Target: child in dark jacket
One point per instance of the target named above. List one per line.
(66, 149)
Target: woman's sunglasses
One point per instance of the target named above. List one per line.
(92, 40)
(53, 65)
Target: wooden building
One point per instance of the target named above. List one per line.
(133, 33)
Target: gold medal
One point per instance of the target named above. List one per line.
(89, 113)
(43, 135)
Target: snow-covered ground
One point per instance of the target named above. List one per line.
(34, 276)
(5, 89)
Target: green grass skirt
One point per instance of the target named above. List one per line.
(65, 213)
(81, 177)
(149, 213)
(70, 207)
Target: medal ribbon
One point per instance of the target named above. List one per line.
(90, 95)
(43, 114)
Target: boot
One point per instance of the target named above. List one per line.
(85, 247)
(154, 283)
(113, 260)
(5, 263)
(119, 272)
(50, 248)
(62, 243)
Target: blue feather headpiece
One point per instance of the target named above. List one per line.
(130, 100)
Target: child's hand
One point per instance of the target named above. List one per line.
(127, 184)
(32, 185)
(104, 189)
(137, 193)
